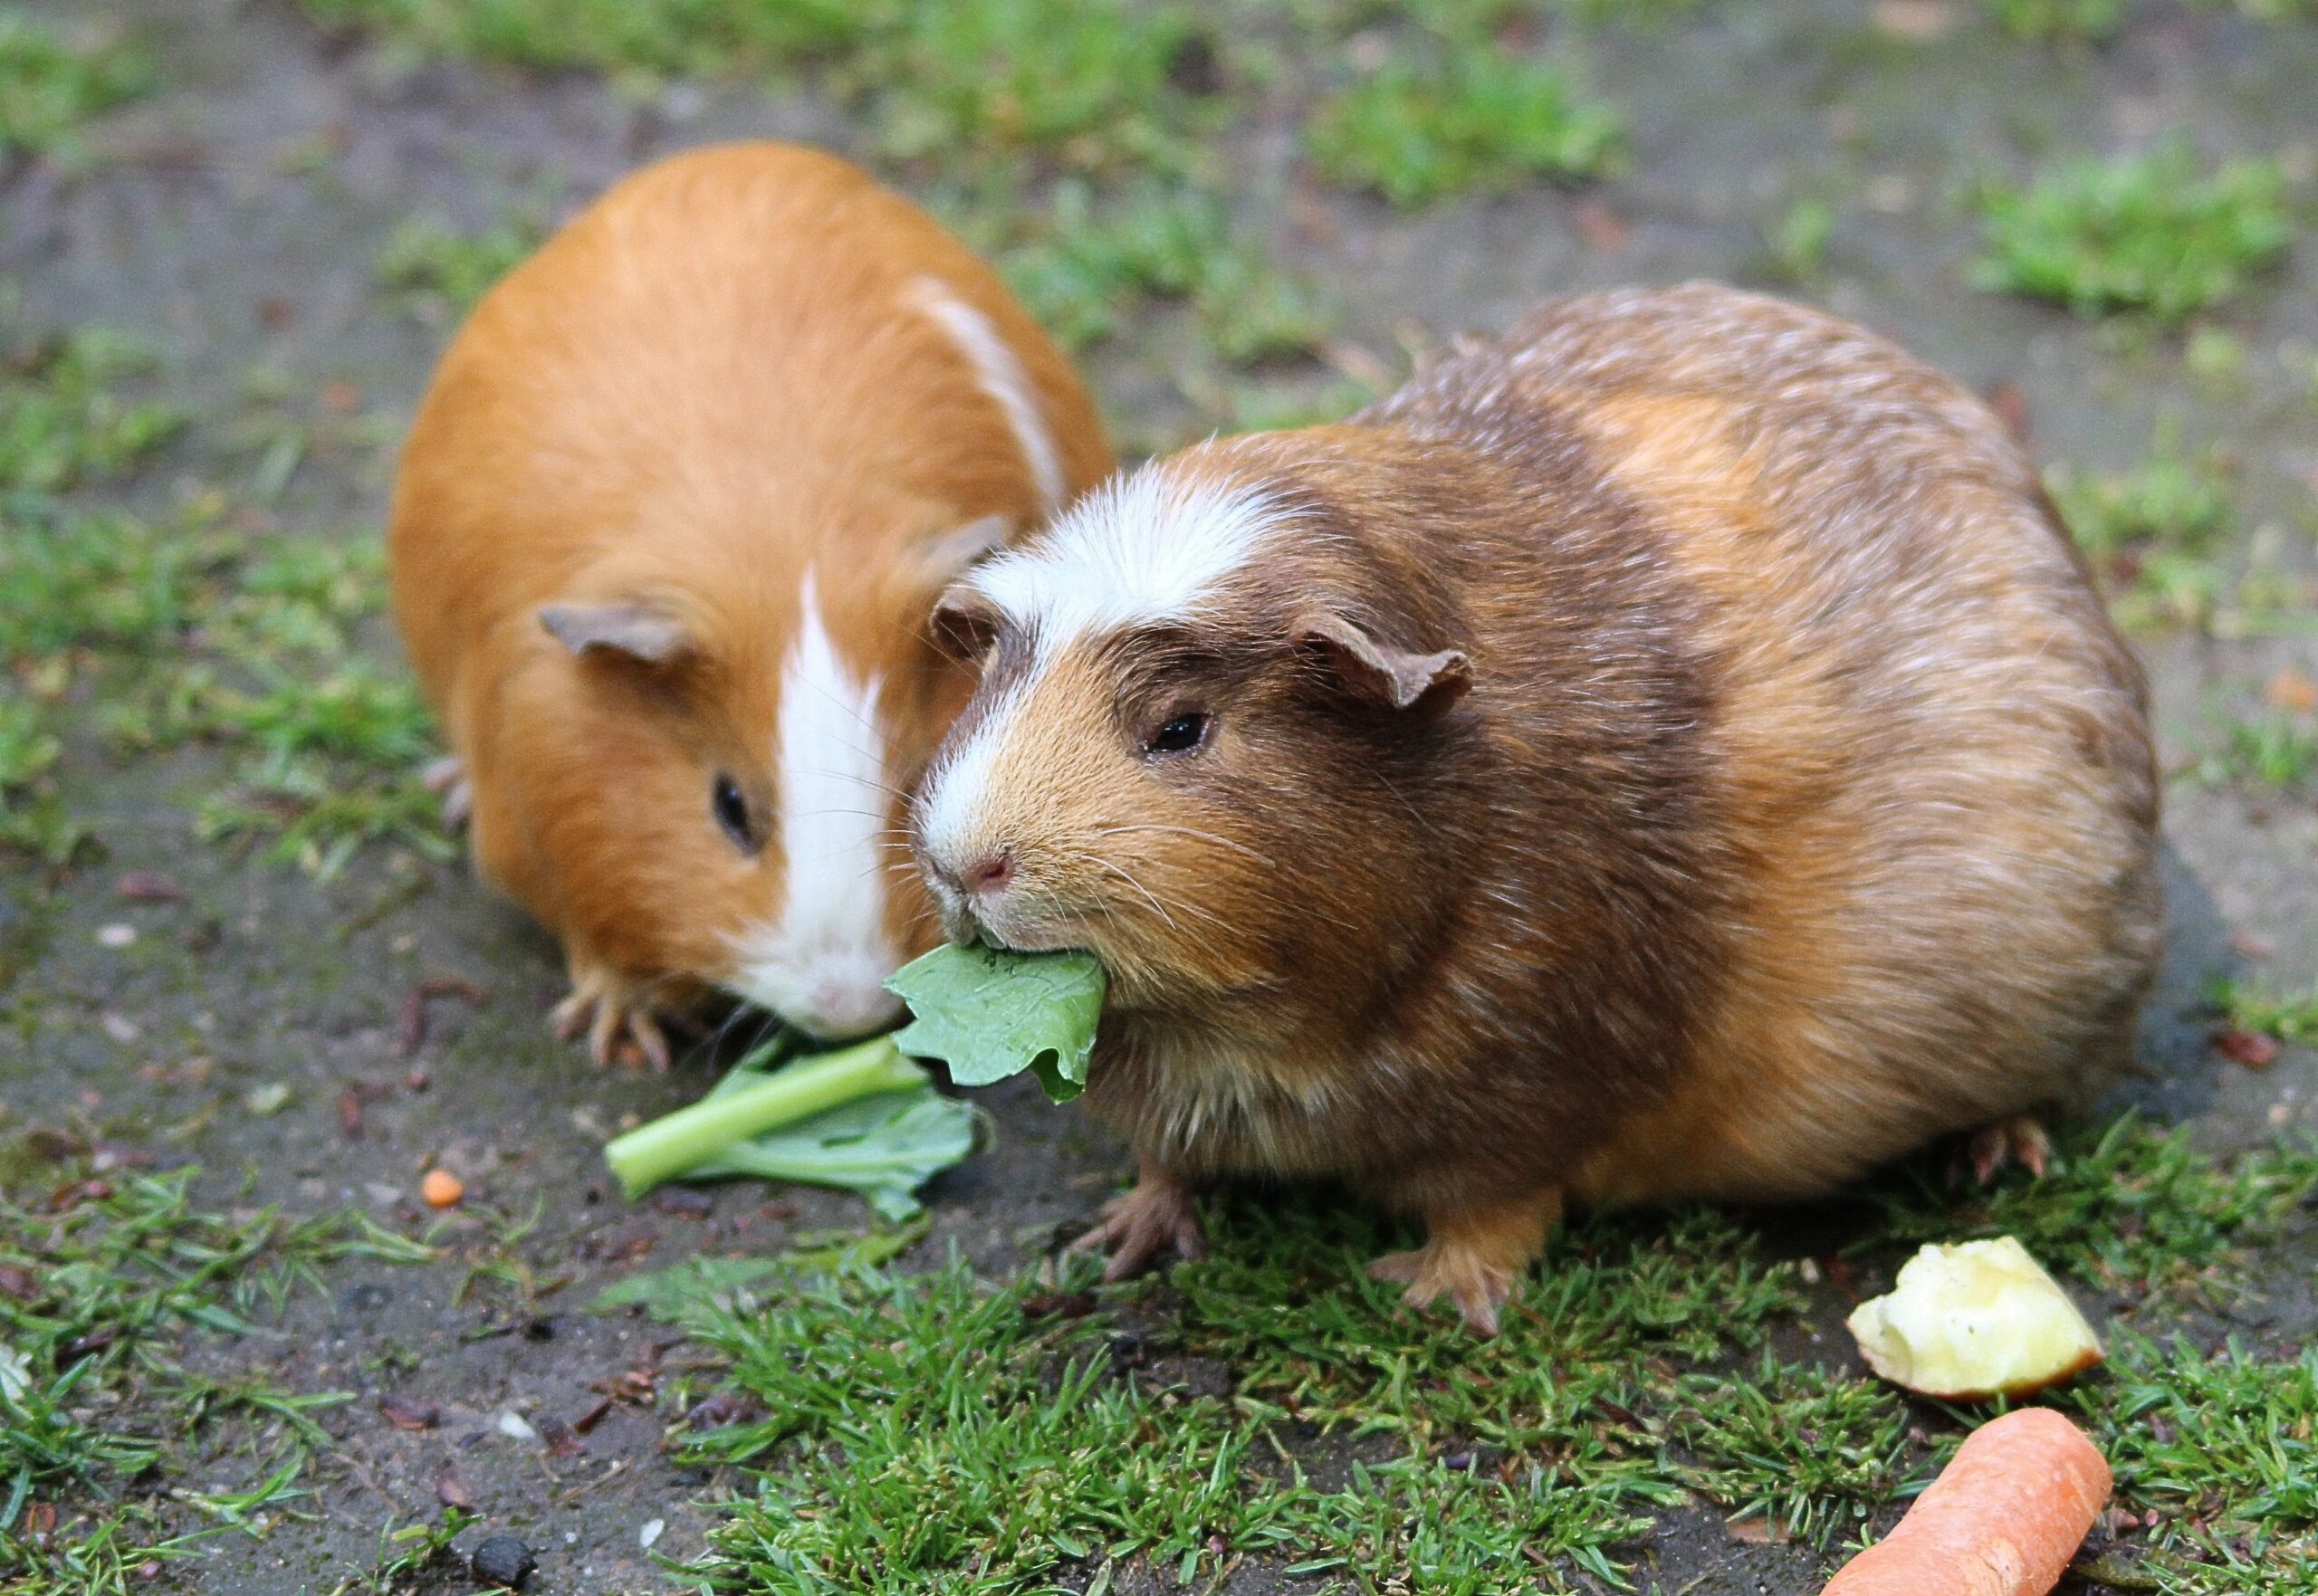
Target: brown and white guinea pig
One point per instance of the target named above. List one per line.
(1672, 753)
(666, 536)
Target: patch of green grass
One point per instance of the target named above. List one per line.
(932, 1431)
(2221, 1443)
(446, 271)
(2085, 21)
(643, 38)
(1285, 1298)
(2151, 531)
(1813, 1453)
(108, 1277)
(410, 1555)
(48, 87)
(62, 420)
(1083, 268)
(2153, 233)
(2276, 749)
(108, 581)
(1796, 243)
(1084, 83)
(182, 628)
(1469, 119)
(1088, 83)
(2132, 1208)
(27, 747)
(2247, 1007)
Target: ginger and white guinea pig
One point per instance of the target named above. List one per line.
(665, 543)
(1675, 752)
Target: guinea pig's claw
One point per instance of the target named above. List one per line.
(618, 1031)
(1477, 1288)
(448, 780)
(1157, 1218)
(2020, 1141)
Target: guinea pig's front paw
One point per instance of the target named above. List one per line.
(618, 1015)
(447, 778)
(1157, 1218)
(1474, 1257)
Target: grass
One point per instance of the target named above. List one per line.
(1085, 268)
(2152, 531)
(1805, 1451)
(1472, 119)
(937, 1432)
(2153, 233)
(64, 418)
(2077, 20)
(107, 1279)
(2135, 1210)
(50, 87)
(2277, 751)
(649, 39)
(444, 272)
(181, 628)
(2219, 1443)
(1089, 84)
(2247, 1008)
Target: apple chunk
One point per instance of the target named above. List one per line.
(1974, 1319)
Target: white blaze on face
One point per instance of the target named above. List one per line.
(823, 966)
(998, 372)
(1139, 551)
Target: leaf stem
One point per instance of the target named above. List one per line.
(674, 1143)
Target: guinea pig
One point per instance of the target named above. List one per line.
(665, 543)
(1675, 752)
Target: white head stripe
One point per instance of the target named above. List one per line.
(1000, 373)
(1137, 549)
(830, 950)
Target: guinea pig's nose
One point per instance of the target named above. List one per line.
(988, 874)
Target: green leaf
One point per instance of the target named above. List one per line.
(989, 1014)
(884, 1147)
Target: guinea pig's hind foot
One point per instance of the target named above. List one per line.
(621, 1028)
(1157, 1218)
(1474, 1257)
(448, 780)
(2020, 1139)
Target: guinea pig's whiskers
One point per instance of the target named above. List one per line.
(1221, 842)
(1148, 895)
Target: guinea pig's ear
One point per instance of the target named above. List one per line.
(1378, 671)
(964, 623)
(630, 629)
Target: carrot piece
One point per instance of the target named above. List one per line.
(2003, 1518)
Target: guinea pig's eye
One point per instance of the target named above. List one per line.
(1182, 735)
(731, 807)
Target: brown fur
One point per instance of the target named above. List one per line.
(709, 381)
(1801, 806)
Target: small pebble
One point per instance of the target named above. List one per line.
(512, 1423)
(116, 936)
(503, 1560)
(441, 1189)
(650, 1532)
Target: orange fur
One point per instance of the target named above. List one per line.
(717, 377)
